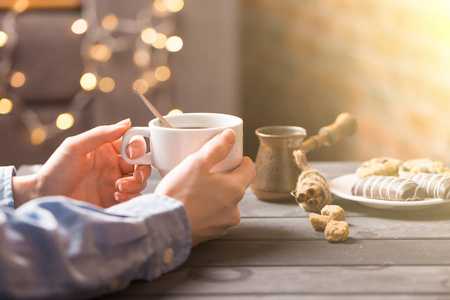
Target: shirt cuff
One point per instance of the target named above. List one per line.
(169, 229)
(6, 193)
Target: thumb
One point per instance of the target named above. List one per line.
(216, 149)
(92, 139)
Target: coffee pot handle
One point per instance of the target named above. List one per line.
(344, 125)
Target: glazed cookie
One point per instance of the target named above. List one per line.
(388, 188)
(423, 166)
(384, 166)
(436, 185)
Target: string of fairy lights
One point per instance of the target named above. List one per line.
(148, 36)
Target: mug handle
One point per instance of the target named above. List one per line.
(143, 160)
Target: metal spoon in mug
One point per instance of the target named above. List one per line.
(153, 109)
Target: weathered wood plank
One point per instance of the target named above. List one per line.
(321, 253)
(251, 206)
(307, 281)
(403, 227)
(281, 297)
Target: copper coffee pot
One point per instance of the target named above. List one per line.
(276, 169)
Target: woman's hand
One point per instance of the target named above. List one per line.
(211, 199)
(88, 167)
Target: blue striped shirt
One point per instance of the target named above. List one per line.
(59, 248)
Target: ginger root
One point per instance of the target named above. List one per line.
(312, 192)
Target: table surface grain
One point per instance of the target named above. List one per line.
(275, 254)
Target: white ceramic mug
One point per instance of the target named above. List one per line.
(170, 146)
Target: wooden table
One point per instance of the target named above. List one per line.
(275, 254)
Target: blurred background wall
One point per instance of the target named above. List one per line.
(284, 62)
(387, 62)
(204, 74)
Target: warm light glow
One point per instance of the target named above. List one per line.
(38, 135)
(64, 121)
(100, 52)
(3, 38)
(106, 84)
(160, 6)
(162, 73)
(148, 35)
(174, 112)
(79, 26)
(160, 41)
(174, 5)
(5, 106)
(141, 57)
(174, 44)
(110, 22)
(88, 81)
(21, 5)
(149, 76)
(141, 85)
(17, 79)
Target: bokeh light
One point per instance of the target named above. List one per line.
(174, 44)
(20, 6)
(160, 41)
(64, 121)
(6, 106)
(148, 35)
(79, 26)
(88, 81)
(162, 73)
(106, 84)
(160, 6)
(174, 5)
(38, 135)
(174, 112)
(17, 79)
(110, 22)
(3, 38)
(100, 52)
(141, 85)
(149, 76)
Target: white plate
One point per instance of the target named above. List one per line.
(342, 187)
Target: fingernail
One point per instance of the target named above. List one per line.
(116, 196)
(123, 122)
(120, 186)
(142, 176)
(228, 136)
(133, 152)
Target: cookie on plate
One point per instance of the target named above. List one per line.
(384, 166)
(436, 185)
(388, 188)
(422, 166)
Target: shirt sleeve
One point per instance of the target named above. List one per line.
(58, 248)
(6, 194)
